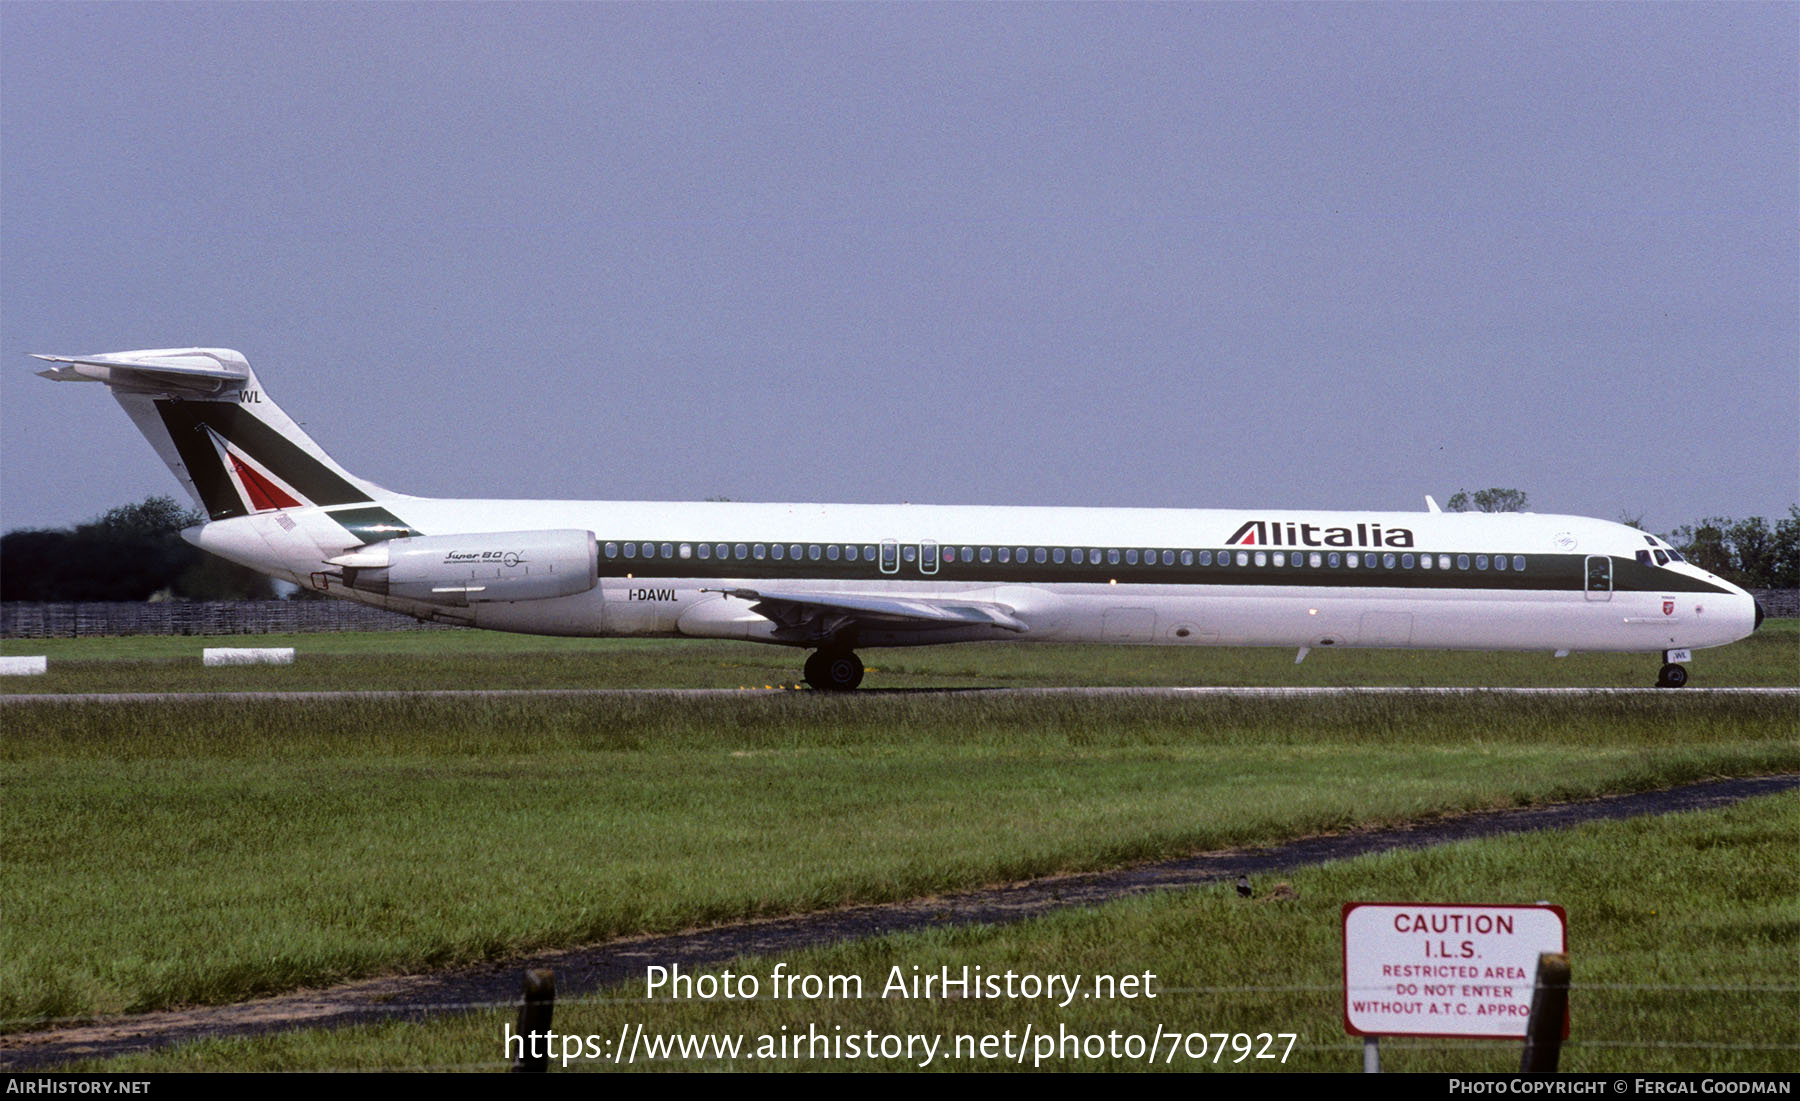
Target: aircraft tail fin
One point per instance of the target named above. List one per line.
(208, 418)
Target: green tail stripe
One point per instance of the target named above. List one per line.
(187, 422)
(373, 524)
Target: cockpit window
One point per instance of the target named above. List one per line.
(1662, 558)
(1643, 557)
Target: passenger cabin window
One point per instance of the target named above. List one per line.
(928, 557)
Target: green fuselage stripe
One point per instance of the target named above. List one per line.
(1542, 572)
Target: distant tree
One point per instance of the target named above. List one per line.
(1747, 551)
(1753, 546)
(1489, 500)
(151, 518)
(1703, 544)
(132, 552)
(1786, 574)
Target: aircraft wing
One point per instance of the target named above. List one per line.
(802, 614)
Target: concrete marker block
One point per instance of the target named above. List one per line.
(248, 655)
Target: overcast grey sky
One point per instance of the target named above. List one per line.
(1197, 255)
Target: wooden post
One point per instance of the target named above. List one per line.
(534, 1016)
(1549, 1015)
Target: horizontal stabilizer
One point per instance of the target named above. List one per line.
(156, 370)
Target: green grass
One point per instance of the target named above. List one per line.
(1684, 933)
(485, 659)
(207, 850)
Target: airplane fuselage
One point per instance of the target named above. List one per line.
(1150, 576)
(833, 577)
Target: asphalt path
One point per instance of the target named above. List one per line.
(601, 693)
(582, 971)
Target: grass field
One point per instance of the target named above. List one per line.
(1684, 933)
(204, 850)
(484, 659)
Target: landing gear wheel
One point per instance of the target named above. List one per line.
(1672, 676)
(834, 670)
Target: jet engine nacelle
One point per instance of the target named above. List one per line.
(459, 570)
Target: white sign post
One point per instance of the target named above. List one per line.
(1444, 970)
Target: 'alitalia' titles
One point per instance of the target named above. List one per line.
(1275, 533)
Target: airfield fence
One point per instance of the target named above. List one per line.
(32, 619)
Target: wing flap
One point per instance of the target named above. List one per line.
(794, 608)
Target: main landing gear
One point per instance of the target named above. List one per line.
(834, 670)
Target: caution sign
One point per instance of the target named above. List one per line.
(1431, 969)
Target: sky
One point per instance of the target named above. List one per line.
(1189, 255)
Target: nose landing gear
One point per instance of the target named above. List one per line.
(834, 670)
(1673, 675)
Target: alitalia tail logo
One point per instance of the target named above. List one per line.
(1265, 533)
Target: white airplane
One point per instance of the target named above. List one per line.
(831, 578)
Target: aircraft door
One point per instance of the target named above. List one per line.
(1599, 577)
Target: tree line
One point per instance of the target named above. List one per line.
(1747, 552)
(135, 552)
